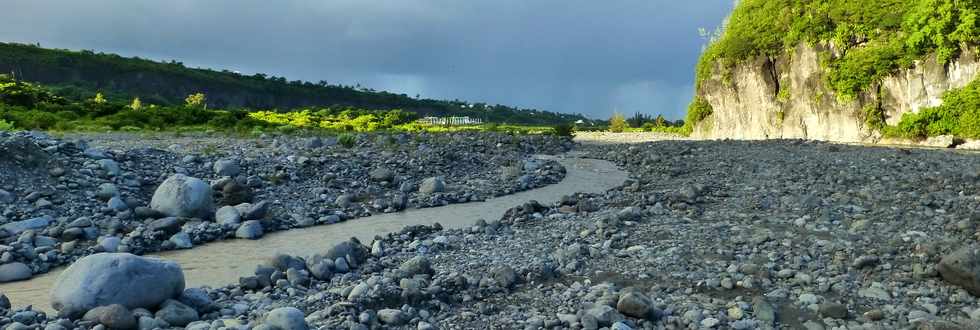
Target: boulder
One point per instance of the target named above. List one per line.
(251, 229)
(418, 265)
(962, 268)
(197, 299)
(176, 313)
(169, 225)
(227, 167)
(353, 251)
(432, 185)
(17, 227)
(634, 304)
(228, 215)
(235, 193)
(110, 167)
(391, 317)
(382, 174)
(183, 196)
(115, 278)
(286, 318)
(114, 316)
(14, 271)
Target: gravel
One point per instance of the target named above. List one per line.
(710, 234)
(64, 198)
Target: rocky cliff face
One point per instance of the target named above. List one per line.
(787, 97)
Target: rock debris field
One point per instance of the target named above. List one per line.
(704, 235)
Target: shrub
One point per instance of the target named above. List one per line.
(617, 123)
(563, 129)
(6, 126)
(347, 140)
(698, 110)
(958, 115)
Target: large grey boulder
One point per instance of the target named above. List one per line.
(962, 268)
(286, 318)
(183, 196)
(432, 185)
(14, 271)
(115, 278)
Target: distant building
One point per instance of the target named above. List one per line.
(450, 121)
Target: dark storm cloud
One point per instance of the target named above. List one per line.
(591, 57)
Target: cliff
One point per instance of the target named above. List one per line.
(787, 96)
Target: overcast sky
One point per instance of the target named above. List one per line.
(588, 56)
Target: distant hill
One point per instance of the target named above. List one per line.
(80, 74)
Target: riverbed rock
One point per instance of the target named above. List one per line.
(114, 316)
(251, 229)
(115, 278)
(14, 271)
(432, 185)
(634, 304)
(227, 167)
(962, 268)
(382, 174)
(183, 196)
(286, 318)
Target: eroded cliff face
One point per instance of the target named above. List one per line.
(787, 97)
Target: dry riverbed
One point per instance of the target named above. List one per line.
(703, 234)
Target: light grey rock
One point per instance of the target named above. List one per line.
(14, 271)
(286, 318)
(392, 317)
(418, 265)
(228, 215)
(432, 185)
(251, 229)
(6, 197)
(183, 196)
(115, 278)
(227, 167)
(109, 243)
(117, 204)
(110, 167)
(604, 315)
(182, 240)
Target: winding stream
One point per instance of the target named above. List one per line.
(223, 262)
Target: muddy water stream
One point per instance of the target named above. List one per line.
(223, 262)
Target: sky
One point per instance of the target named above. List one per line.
(573, 56)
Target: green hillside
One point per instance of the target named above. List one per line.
(79, 75)
(873, 38)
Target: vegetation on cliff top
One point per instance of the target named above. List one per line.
(874, 37)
